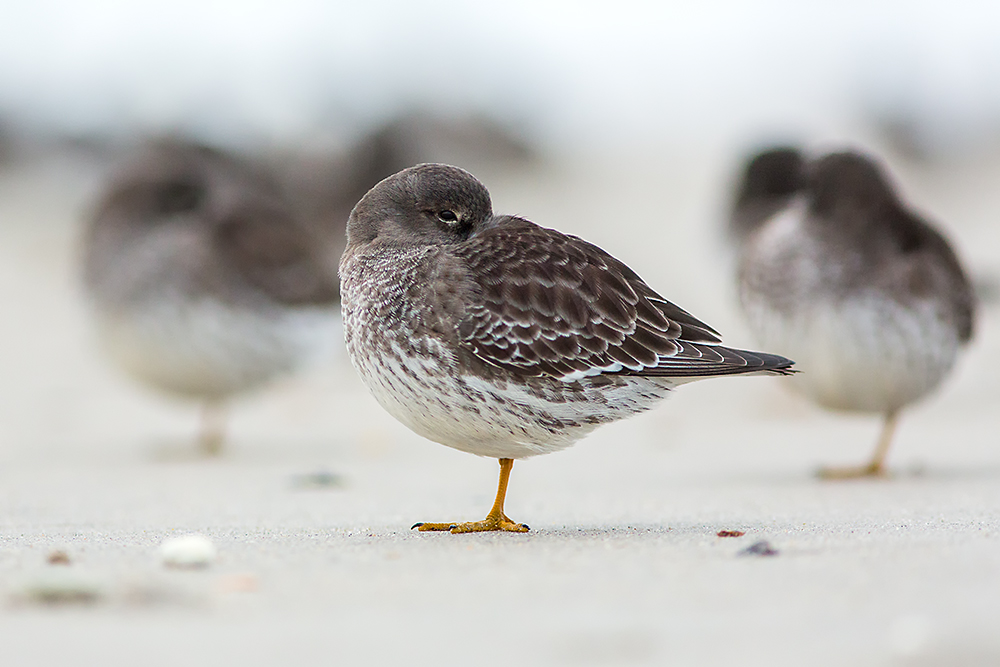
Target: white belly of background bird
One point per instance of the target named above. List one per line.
(861, 349)
(207, 349)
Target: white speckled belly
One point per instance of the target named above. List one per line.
(428, 393)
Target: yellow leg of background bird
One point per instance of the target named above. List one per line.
(213, 428)
(876, 467)
(495, 520)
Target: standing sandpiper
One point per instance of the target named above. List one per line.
(201, 282)
(834, 270)
(501, 338)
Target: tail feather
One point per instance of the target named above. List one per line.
(696, 360)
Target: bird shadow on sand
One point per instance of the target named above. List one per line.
(179, 450)
(922, 471)
(626, 532)
(239, 450)
(611, 532)
(561, 533)
(737, 533)
(910, 472)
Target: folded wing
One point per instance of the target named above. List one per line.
(553, 304)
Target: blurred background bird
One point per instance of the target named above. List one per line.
(838, 273)
(201, 281)
(324, 183)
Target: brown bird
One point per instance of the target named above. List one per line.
(201, 282)
(836, 271)
(501, 338)
(325, 186)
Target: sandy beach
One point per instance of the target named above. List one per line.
(310, 505)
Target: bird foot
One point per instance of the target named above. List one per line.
(852, 472)
(490, 523)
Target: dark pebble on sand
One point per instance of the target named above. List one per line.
(762, 548)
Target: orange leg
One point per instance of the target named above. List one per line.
(213, 428)
(875, 467)
(495, 520)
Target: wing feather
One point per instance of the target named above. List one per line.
(553, 304)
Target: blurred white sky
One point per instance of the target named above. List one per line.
(575, 72)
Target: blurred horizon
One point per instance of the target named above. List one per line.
(567, 75)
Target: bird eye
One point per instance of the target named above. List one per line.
(447, 217)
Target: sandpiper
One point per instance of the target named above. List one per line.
(770, 181)
(201, 282)
(501, 338)
(838, 273)
(325, 185)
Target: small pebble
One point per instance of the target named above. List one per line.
(188, 552)
(730, 533)
(238, 583)
(762, 548)
(317, 480)
(58, 558)
(63, 588)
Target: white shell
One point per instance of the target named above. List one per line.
(188, 551)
